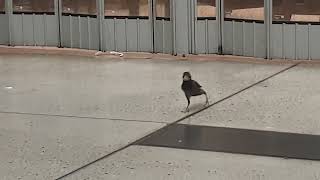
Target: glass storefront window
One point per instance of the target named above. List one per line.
(206, 8)
(296, 10)
(163, 8)
(125, 8)
(79, 7)
(244, 9)
(33, 6)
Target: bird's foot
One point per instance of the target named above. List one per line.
(207, 103)
(185, 111)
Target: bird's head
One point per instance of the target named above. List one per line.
(186, 76)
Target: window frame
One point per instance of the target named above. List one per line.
(206, 17)
(77, 14)
(274, 21)
(32, 11)
(125, 17)
(247, 20)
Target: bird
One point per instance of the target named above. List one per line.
(191, 88)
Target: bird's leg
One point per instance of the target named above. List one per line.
(187, 109)
(207, 100)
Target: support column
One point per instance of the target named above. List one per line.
(182, 37)
(219, 19)
(9, 12)
(100, 16)
(173, 20)
(57, 14)
(268, 24)
(193, 20)
(58, 11)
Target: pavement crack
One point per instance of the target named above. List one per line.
(78, 117)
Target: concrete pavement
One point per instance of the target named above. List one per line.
(63, 112)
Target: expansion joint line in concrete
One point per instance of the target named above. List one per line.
(177, 121)
(80, 117)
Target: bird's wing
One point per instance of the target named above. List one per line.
(197, 84)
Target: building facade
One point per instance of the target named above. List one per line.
(285, 29)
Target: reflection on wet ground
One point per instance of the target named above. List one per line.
(242, 141)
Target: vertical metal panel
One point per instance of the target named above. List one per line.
(58, 11)
(27, 26)
(132, 33)
(296, 41)
(315, 42)
(120, 35)
(72, 26)
(45, 30)
(260, 40)
(268, 24)
(109, 34)
(193, 16)
(4, 29)
(94, 33)
(144, 36)
(152, 19)
(174, 25)
(89, 32)
(33, 29)
(84, 33)
(163, 35)
(8, 6)
(158, 33)
(39, 29)
(309, 45)
(168, 48)
(228, 37)
(302, 41)
(207, 36)
(200, 37)
(126, 33)
(243, 37)
(222, 24)
(189, 23)
(277, 41)
(71, 31)
(213, 39)
(80, 32)
(75, 34)
(51, 30)
(249, 39)
(138, 35)
(65, 29)
(289, 39)
(17, 32)
(238, 38)
(182, 28)
(100, 23)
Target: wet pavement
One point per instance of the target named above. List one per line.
(62, 113)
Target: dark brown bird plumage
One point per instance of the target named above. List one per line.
(191, 88)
